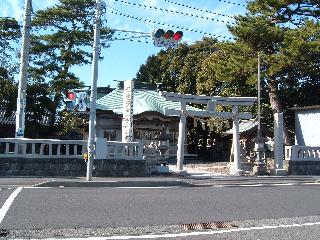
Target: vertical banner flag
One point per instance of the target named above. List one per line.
(127, 116)
(82, 107)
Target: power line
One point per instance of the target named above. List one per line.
(197, 9)
(238, 4)
(117, 12)
(172, 11)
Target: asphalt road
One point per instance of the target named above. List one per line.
(257, 212)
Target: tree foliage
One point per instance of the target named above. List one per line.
(285, 33)
(61, 38)
(9, 35)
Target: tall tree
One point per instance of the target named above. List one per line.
(272, 28)
(9, 38)
(177, 68)
(62, 38)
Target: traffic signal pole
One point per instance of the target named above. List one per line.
(24, 59)
(93, 96)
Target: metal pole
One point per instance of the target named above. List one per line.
(260, 166)
(24, 62)
(93, 96)
(259, 97)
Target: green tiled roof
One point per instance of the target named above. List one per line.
(244, 126)
(144, 101)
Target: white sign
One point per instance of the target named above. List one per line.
(82, 107)
(20, 132)
(127, 113)
(165, 43)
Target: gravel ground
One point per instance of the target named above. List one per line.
(217, 168)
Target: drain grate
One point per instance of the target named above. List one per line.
(212, 225)
(4, 232)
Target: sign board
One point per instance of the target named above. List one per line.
(82, 107)
(165, 43)
(127, 115)
(20, 132)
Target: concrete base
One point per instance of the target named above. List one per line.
(279, 172)
(161, 169)
(180, 172)
(237, 172)
(259, 169)
(304, 167)
(73, 167)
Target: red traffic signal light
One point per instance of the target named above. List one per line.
(71, 96)
(178, 36)
(71, 100)
(169, 34)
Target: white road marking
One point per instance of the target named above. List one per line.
(148, 187)
(267, 184)
(105, 187)
(7, 204)
(41, 183)
(285, 184)
(187, 234)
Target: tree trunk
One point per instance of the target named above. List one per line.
(276, 107)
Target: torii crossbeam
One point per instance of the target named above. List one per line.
(211, 102)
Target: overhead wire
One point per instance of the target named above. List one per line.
(197, 9)
(117, 12)
(172, 11)
(238, 4)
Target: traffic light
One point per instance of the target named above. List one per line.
(168, 39)
(71, 100)
(178, 36)
(159, 33)
(169, 34)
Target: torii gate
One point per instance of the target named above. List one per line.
(211, 102)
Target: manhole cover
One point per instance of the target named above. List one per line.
(4, 232)
(211, 225)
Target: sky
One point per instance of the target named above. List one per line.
(123, 58)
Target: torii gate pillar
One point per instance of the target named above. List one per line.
(236, 168)
(181, 138)
(211, 102)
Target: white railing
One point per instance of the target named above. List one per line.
(55, 148)
(124, 150)
(300, 153)
(42, 148)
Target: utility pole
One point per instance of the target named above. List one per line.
(24, 63)
(93, 96)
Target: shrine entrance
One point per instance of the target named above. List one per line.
(211, 103)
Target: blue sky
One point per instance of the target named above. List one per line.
(123, 58)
